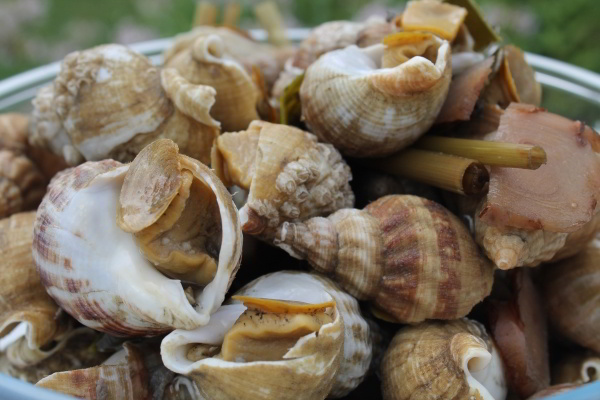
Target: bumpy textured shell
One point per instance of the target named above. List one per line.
(443, 360)
(108, 102)
(95, 270)
(205, 63)
(22, 185)
(23, 298)
(269, 59)
(577, 368)
(408, 255)
(332, 362)
(512, 247)
(571, 290)
(365, 110)
(290, 176)
(122, 376)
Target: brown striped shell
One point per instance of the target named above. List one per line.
(108, 237)
(443, 360)
(570, 289)
(290, 176)
(23, 298)
(409, 256)
(110, 102)
(329, 362)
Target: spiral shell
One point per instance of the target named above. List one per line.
(330, 360)
(204, 63)
(289, 175)
(570, 289)
(23, 299)
(106, 235)
(268, 59)
(367, 103)
(578, 368)
(408, 255)
(109, 102)
(443, 360)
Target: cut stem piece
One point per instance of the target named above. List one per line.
(206, 13)
(455, 174)
(270, 18)
(232, 13)
(511, 155)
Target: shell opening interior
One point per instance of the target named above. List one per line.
(591, 370)
(484, 372)
(402, 46)
(184, 243)
(15, 333)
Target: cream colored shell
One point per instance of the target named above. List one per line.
(443, 360)
(409, 256)
(109, 102)
(570, 289)
(289, 174)
(577, 368)
(330, 362)
(204, 63)
(365, 110)
(96, 271)
(512, 247)
(267, 58)
(23, 299)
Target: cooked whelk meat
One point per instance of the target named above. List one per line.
(528, 215)
(443, 360)
(409, 256)
(290, 176)
(377, 100)
(107, 237)
(110, 102)
(296, 336)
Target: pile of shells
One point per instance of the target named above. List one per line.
(164, 238)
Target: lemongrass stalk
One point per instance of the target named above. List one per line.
(232, 13)
(270, 18)
(206, 13)
(455, 174)
(511, 155)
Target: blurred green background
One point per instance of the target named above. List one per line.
(35, 32)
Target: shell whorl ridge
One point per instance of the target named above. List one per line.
(108, 102)
(91, 277)
(365, 110)
(443, 360)
(331, 361)
(410, 256)
(290, 175)
(204, 63)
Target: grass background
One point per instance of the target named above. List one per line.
(35, 32)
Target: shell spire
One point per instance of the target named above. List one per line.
(408, 255)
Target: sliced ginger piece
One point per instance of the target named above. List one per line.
(442, 19)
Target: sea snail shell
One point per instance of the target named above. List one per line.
(443, 360)
(110, 102)
(331, 358)
(376, 100)
(289, 175)
(168, 213)
(408, 255)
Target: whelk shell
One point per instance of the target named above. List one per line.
(443, 360)
(204, 63)
(328, 356)
(367, 109)
(570, 289)
(289, 174)
(23, 299)
(106, 231)
(409, 256)
(110, 102)
(577, 368)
